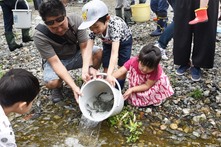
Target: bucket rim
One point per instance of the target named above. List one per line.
(21, 10)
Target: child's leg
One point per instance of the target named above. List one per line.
(124, 56)
(201, 13)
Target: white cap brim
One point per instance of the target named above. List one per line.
(86, 24)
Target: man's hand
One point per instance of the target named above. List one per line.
(77, 93)
(93, 72)
(85, 76)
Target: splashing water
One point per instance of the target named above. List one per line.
(88, 132)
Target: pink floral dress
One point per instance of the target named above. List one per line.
(153, 96)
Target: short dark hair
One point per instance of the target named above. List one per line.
(51, 8)
(103, 19)
(150, 56)
(18, 85)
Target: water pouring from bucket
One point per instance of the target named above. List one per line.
(100, 100)
(22, 17)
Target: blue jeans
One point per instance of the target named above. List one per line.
(159, 7)
(7, 6)
(166, 36)
(123, 54)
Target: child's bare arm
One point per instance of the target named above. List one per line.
(143, 87)
(113, 57)
(121, 71)
(139, 88)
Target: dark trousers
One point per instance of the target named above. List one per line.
(7, 6)
(159, 7)
(202, 35)
(167, 34)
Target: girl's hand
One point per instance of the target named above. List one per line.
(111, 80)
(127, 93)
(77, 93)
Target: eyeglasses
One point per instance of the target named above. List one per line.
(51, 22)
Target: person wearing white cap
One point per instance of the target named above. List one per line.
(113, 31)
(63, 47)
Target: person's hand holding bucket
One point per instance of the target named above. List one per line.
(110, 79)
(77, 92)
(89, 74)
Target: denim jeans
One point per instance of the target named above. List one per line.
(166, 36)
(7, 6)
(124, 52)
(159, 7)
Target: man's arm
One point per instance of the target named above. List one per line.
(62, 72)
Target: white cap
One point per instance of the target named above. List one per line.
(91, 12)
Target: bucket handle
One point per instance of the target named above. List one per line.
(104, 74)
(17, 3)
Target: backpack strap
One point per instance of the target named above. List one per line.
(43, 29)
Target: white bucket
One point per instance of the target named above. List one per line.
(22, 17)
(91, 90)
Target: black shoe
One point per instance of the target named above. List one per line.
(56, 95)
(27, 39)
(14, 46)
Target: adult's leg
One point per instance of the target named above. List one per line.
(118, 8)
(127, 12)
(7, 7)
(183, 12)
(204, 40)
(161, 12)
(166, 36)
(142, 1)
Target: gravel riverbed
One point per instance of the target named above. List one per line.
(183, 120)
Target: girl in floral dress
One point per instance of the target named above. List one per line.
(148, 84)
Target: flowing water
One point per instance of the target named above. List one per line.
(88, 132)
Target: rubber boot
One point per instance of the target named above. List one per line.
(25, 35)
(118, 12)
(161, 25)
(10, 38)
(127, 17)
(201, 16)
(121, 83)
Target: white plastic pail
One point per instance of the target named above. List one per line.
(91, 90)
(22, 17)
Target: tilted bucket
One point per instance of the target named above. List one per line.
(140, 12)
(100, 100)
(22, 17)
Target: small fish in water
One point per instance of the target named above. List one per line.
(104, 102)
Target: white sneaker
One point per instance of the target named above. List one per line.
(163, 52)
